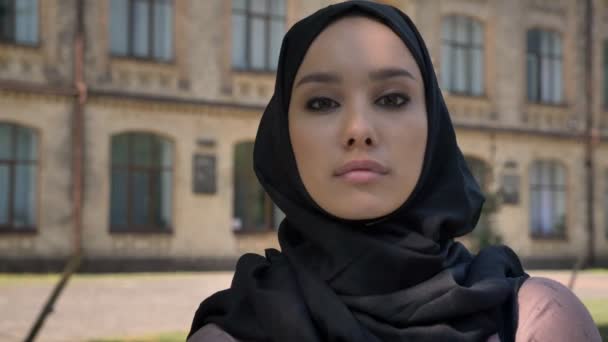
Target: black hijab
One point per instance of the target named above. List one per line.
(397, 278)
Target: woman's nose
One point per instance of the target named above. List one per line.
(353, 141)
(359, 130)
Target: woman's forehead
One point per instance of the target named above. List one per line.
(357, 44)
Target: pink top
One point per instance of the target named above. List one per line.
(548, 311)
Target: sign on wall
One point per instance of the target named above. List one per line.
(204, 175)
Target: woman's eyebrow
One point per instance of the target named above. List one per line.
(390, 73)
(323, 77)
(376, 75)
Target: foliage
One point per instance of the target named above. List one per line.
(599, 312)
(485, 234)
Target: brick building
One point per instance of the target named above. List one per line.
(126, 126)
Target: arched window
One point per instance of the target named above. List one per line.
(547, 199)
(18, 163)
(605, 69)
(253, 208)
(142, 183)
(606, 204)
(462, 62)
(544, 66)
(481, 172)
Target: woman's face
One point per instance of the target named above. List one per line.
(358, 96)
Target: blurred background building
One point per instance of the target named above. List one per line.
(127, 126)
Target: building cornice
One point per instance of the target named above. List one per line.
(198, 105)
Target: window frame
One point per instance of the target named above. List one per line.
(606, 203)
(131, 167)
(13, 18)
(476, 165)
(554, 189)
(12, 164)
(452, 44)
(605, 71)
(268, 18)
(269, 206)
(542, 58)
(130, 24)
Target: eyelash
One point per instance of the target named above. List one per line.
(310, 104)
(400, 97)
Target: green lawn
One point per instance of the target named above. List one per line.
(599, 311)
(12, 278)
(163, 337)
(597, 270)
(597, 307)
(17, 278)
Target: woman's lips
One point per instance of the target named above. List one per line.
(361, 171)
(360, 176)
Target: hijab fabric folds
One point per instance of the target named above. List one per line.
(401, 277)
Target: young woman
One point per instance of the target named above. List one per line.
(357, 148)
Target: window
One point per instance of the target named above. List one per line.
(606, 74)
(258, 27)
(142, 29)
(253, 208)
(141, 183)
(18, 160)
(481, 173)
(462, 59)
(544, 67)
(606, 204)
(19, 21)
(547, 199)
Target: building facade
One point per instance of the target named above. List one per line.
(126, 126)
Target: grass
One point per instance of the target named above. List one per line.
(599, 311)
(13, 278)
(597, 307)
(597, 270)
(162, 337)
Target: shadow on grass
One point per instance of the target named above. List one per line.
(603, 331)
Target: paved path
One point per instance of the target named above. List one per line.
(135, 305)
(107, 306)
(587, 285)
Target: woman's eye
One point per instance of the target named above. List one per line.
(320, 104)
(393, 100)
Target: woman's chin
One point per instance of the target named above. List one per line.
(354, 209)
(358, 203)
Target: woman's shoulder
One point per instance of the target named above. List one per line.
(211, 333)
(549, 311)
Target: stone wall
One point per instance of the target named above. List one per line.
(198, 96)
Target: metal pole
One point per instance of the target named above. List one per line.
(78, 127)
(589, 136)
(50, 303)
(77, 174)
